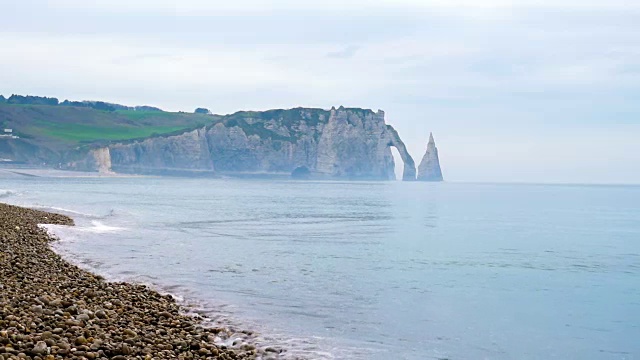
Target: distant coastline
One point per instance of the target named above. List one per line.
(341, 143)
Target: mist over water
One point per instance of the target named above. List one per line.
(366, 270)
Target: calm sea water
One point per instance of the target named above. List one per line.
(360, 270)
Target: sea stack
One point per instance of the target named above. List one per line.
(429, 168)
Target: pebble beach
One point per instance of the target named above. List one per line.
(51, 309)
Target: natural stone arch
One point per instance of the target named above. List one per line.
(409, 171)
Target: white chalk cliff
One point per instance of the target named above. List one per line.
(429, 168)
(344, 143)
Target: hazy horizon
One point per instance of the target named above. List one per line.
(535, 92)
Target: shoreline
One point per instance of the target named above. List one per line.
(52, 309)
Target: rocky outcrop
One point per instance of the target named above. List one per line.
(355, 144)
(409, 172)
(171, 154)
(102, 158)
(342, 143)
(429, 168)
(25, 150)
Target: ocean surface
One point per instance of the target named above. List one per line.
(371, 270)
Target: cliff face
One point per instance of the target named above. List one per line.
(429, 168)
(102, 159)
(355, 145)
(179, 153)
(26, 151)
(340, 143)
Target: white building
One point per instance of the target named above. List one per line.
(8, 134)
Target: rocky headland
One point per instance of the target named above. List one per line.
(51, 309)
(340, 143)
(343, 143)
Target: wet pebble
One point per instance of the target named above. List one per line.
(50, 309)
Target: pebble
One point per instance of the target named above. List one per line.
(51, 309)
(40, 348)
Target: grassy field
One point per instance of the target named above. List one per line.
(81, 133)
(64, 126)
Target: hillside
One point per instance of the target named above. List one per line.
(343, 143)
(49, 133)
(72, 126)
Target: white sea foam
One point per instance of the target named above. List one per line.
(68, 233)
(64, 211)
(52, 230)
(100, 228)
(6, 193)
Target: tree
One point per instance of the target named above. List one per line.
(74, 103)
(202, 111)
(147, 108)
(101, 105)
(31, 100)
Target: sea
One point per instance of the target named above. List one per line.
(370, 270)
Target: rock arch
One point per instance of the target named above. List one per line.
(409, 171)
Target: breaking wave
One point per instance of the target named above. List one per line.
(71, 213)
(6, 193)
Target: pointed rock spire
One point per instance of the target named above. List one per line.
(429, 168)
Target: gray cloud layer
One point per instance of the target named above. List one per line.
(512, 93)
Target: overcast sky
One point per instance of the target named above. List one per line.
(527, 91)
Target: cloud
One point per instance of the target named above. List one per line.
(209, 7)
(463, 69)
(345, 53)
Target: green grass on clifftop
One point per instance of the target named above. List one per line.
(82, 133)
(64, 126)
